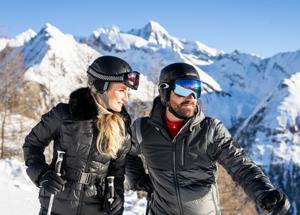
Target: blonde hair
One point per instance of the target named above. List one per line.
(111, 128)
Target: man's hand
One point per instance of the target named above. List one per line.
(51, 182)
(144, 184)
(276, 202)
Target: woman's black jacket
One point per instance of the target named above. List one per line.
(72, 127)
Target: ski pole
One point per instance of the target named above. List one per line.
(58, 163)
(148, 203)
(111, 189)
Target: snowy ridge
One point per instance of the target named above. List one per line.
(154, 33)
(279, 125)
(240, 76)
(149, 49)
(112, 38)
(19, 40)
(57, 61)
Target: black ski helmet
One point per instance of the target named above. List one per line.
(107, 69)
(172, 72)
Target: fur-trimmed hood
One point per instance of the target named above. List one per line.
(83, 107)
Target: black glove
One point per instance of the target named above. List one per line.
(276, 202)
(51, 182)
(144, 184)
(116, 207)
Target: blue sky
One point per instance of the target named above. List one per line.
(252, 26)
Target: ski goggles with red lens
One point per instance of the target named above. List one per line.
(187, 87)
(131, 79)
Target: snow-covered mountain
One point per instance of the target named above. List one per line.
(239, 88)
(272, 136)
(57, 61)
(151, 48)
(275, 120)
(19, 40)
(157, 35)
(246, 80)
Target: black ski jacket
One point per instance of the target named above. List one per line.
(183, 170)
(72, 127)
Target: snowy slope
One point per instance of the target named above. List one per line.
(57, 61)
(272, 136)
(276, 123)
(246, 80)
(18, 195)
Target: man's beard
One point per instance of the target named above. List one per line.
(182, 111)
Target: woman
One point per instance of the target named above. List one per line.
(91, 130)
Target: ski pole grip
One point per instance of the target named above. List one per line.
(60, 156)
(59, 161)
(111, 188)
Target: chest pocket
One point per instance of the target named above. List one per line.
(196, 149)
(156, 151)
(77, 138)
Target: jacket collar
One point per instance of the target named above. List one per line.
(82, 105)
(158, 111)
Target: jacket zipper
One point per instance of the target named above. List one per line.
(175, 179)
(174, 163)
(183, 151)
(175, 169)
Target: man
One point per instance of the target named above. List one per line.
(180, 147)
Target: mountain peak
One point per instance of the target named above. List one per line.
(151, 31)
(19, 40)
(51, 31)
(29, 32)
(155, 27)
(154, 33)
(26, 36)
(106, 30)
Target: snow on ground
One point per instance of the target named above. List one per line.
(18, 195)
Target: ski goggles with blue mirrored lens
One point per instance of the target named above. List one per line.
(187, 87)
